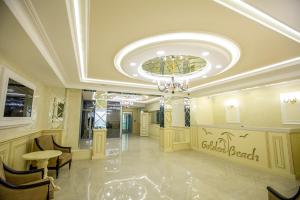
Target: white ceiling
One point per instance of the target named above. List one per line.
(286, 11)
(41, 36)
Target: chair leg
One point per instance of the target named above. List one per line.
(70, 163)
(57, 172)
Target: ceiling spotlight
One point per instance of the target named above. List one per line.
(135, 75)
(219, 66)
(160, 52)
(205, 53)
(204, 76)
(132, 64)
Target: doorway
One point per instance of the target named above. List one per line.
(127, 123)
(87, 124)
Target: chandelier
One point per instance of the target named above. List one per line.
(126, 103)
(172, 85)
(173, 71)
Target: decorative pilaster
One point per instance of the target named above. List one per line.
(99, 142)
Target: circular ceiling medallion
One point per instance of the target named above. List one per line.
(173, 65)
(185, 56)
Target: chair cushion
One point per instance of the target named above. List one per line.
(2, 174)
(46, 142)
(64, 157)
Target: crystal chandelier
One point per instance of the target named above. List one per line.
(126, 103)
(172, 85)
(173, 71)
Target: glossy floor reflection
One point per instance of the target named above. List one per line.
(135, 169)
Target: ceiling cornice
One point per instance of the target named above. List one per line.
(248, 74)
(26, 15)
(79, 21)
(261, 18)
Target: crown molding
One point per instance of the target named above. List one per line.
(80, 25)
(260, 17)
(248, 74)
(275, 80)
(27, 16)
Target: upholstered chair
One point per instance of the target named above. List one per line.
(23, 185)
(274, 195)
(47, 142)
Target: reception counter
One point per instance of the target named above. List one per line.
(273, 149)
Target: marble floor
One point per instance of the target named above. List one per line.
(136, 169)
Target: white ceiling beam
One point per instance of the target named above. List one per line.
(261, 18)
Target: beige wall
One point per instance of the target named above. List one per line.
(136, 119)
(258, 107)
(201, 111)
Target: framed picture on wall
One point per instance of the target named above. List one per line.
(232, 111)
(290, 107)
(16, 100)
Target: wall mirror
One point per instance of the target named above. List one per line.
(57, 107)
(17, 100)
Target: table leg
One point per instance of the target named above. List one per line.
(44, 164)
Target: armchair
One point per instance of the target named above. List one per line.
(274, 195)
(23, 185)
(47, 142)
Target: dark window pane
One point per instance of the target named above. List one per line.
(18, 100)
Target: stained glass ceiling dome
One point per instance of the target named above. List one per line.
(173, 65)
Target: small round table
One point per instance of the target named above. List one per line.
(42, 158)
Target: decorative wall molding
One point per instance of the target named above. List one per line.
(12, 122)
(278, 152)
(290, 110)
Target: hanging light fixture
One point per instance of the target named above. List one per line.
(172, 71)
(172, 85)
(126, 103)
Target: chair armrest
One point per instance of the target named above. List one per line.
(22, 177)
(38, 145)
(61, 148)
(276, 194)
(38, 189)
(34, 184)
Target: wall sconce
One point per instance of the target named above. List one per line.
(290, 98)
(232, 103)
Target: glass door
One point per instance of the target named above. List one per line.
(113, 119)
(127, 123)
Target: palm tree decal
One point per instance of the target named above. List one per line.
(228, 136)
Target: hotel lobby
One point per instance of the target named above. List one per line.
(149, 100)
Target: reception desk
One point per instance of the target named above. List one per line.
(273, 149)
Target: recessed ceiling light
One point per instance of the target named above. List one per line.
(135, 75)
(132, 64)
(204, 76)
(205, 53)
(160, 52)
(219, 66)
